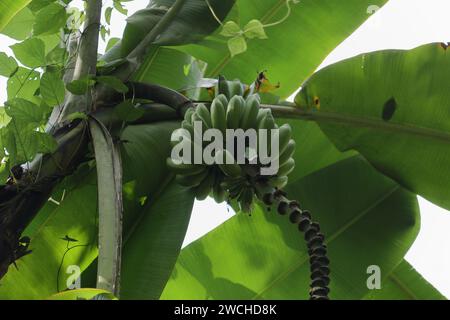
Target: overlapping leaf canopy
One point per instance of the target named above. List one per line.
(410, 142)
(367, 217)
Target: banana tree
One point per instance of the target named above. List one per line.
(90, 198)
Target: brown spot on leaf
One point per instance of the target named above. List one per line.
(317, 102)
(389, 109)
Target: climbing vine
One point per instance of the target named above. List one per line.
(254, 29)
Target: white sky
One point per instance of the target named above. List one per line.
(400, 24)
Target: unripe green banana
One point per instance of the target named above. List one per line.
(229, 110)
(188, 126)
(195, 121)
(278, 182)
(287, 153)
(204, 114)
(284, 136)
(222, 98)
(191, 180)
(235, 190)
(246, 200)
(204, 188)
(267, 122)
(229, 167)
(286, 168)
(262, 119)
(218, 192)
(188, 115)
(250, 114)
(234, 112)
(184, 168)
(262, 113)
(223, 87)
(218, 115)
(262, 188)
(230, 182)
(185, 136)
(235, 88)
(270, 121)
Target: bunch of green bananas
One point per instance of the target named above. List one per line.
(231, 180)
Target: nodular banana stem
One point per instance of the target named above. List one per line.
(317, 250)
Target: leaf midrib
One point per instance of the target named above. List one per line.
(357, 121)
(402, 286)
(330, 239)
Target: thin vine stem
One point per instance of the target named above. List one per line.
(268, 25)
(289, 11)
(213, 13)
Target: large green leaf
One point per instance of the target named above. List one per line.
(167, 67)
(21, 25)
(30, 52)
(193, 22)
(52, 88)
(405, 283)
(156, 211)
(152, 250)
(22, 142)
(8, 65)
(313, 151)
(8, 9)
(156, 214)
(50, 19)
(173, 69)
(23, 84)
(367, 219)
(144, 154)
(25, 111)
(385, 106)
(294, 48)
(45, 269)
